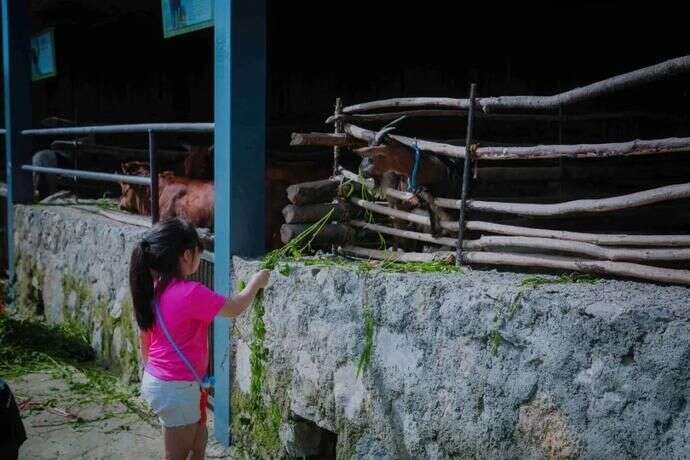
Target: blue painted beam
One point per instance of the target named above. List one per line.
(239, 156)
(17, 92)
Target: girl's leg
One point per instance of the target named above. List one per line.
(200, 443)
(179, 441)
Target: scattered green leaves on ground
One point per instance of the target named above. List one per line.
(63, 351)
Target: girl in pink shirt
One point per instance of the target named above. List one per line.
(174, 315)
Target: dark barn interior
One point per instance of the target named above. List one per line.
(114, 66)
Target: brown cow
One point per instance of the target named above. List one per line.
(182, 197)
(135, 198)
(189, 199)
(391, 164)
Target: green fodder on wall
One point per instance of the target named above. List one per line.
(258, 415)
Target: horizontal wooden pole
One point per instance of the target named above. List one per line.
(440, 148)
(388, 116)
(396, 256)
(417, 217)
(538, 244)
(425, 113)
(631, 200)
(594, 238)
(598, 267)
(330, 234)
(325, 139)
(368, 182)
(314, 212)
(418, 236)
(321, 191)
(538, 152)
(615, 149)
(610, 85)
(577, 247)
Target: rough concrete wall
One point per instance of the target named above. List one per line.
(72, 266)
(461, 366)
(464, 367)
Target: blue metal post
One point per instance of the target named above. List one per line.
(239, 155)
(17, 92)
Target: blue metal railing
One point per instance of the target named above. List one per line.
(148, 128)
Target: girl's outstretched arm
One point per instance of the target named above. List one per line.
(237, 304)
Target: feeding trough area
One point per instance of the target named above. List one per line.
(417, 194)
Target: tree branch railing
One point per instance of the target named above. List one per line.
(611, 85)
(642, 256)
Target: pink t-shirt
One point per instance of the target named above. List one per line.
(187, 307)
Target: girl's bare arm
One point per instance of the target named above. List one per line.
(237, 304)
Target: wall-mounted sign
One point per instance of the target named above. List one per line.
(182, 16)
(43, 55)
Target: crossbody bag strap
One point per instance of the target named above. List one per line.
(202, 383)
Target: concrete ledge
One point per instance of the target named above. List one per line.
(463, 367)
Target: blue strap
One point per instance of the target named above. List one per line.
(412, 180)
(207, 381)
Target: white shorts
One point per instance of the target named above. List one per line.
(176, 402)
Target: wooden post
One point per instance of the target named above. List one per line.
(465, 176)
(239, 166)
(561, 166)
(337, 130)
(17, 93)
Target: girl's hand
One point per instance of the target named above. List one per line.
(235, 305)
(260, 278)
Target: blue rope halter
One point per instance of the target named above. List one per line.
(412, 179)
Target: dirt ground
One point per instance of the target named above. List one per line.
(60, 425)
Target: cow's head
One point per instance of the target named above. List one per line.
(135, 198)
(198, 163)
(136, 168)
(379, 158)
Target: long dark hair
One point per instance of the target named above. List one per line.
(159, 252)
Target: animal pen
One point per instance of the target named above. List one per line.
(361, 212)
(628, 255)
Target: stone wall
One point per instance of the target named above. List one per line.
(72, 266)
(471, 365)
(461, 365)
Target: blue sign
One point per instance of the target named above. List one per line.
(183, 16)
(43, 55)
